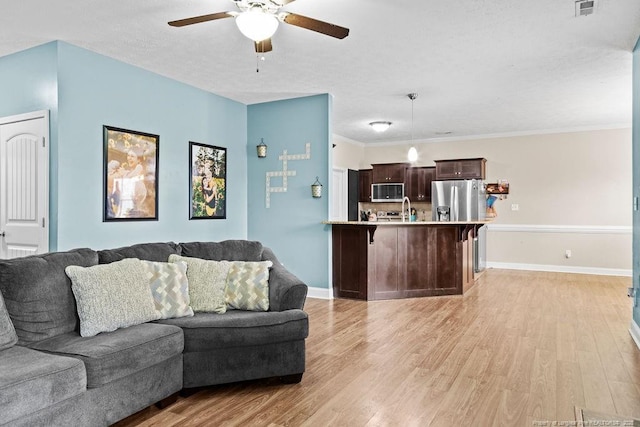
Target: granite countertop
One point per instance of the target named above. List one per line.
(414, 223)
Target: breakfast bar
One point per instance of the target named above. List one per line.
(390, 260)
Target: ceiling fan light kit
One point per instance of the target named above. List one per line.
(258, 20)
(380, 126)
(256, 24)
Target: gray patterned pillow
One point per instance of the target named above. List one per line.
(8, 337)
(207, 281)
(248, 285)
(169, 287)
(111, 296)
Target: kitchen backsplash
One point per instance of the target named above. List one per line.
(423, 209)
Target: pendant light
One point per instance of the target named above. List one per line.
(412, 155)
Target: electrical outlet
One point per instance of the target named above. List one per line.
(515, 207)
(567, 253)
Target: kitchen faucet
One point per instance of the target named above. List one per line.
(409, 202)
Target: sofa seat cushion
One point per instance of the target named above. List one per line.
(113, 355)
(236, 328)
(31, 380)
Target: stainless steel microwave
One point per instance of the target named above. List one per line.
(387, 192)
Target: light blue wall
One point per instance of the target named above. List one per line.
(292, 225)
(636, 179)
(28, 82)
(85, 91)
(92, 91)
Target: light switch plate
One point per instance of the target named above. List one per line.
(515, 207)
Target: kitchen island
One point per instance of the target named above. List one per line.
(388, 260)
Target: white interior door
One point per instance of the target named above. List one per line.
(339, 195)
(24, 185)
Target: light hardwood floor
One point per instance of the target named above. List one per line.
(518, 349)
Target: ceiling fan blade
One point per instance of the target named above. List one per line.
(199, 19)
(315, 25)
(264, 46)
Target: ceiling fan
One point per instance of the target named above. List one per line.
(258, 20)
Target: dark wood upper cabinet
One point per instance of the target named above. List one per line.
(417, 183)
(365, 179)
(460, 169)
(389, 172)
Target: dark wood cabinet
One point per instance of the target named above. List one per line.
(432, 261)
(373, 262)
(461, 169)
(365, 179)
(389, 172)
(417, 183)
(350, 278)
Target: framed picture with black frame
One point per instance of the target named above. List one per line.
(207, 181)
(130, 175)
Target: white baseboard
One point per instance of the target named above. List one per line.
(542, 228)
(321, 293)
(562, 269)
(634, 330)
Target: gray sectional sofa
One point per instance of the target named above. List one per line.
(50, 375)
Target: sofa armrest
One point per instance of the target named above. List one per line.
(286, 291)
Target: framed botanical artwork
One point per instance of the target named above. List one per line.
(207, 181)
(130, 175)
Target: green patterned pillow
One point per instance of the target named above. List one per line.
(207, 280)
(111, 296)
(169, 287)
(248, 286)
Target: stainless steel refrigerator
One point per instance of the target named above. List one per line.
(463, 200)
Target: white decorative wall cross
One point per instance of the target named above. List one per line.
(285, 173)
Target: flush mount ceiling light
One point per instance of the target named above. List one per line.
(257, 24)
(380, 126)
(412, 155)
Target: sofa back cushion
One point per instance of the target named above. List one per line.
(8, 337)
(227, 250)
(145, 251)
(38, 295)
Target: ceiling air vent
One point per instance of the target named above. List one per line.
(585, 7)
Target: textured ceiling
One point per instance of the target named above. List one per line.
(479, 67)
